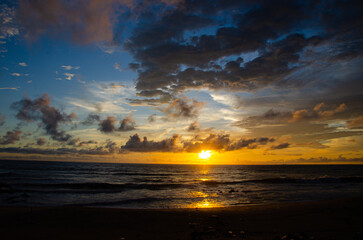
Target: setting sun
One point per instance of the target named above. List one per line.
(205, 154)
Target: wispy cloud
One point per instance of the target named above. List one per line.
(69, 67)
(23, 64)
(69, 76)
(9, 88)
(117, 66)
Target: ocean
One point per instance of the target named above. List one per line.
(38, 183)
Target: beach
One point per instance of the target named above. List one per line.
(332, 219)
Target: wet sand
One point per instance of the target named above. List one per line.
(334, 219)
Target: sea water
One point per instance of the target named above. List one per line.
(40, 183)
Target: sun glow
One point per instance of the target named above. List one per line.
(205, 154)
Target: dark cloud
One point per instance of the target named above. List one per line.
(39, 109)
(280, 146)
(41, 141)
(58, 151)
(80, 21)
(108, 125)
(10, 137)
(83, 22)
(162, 58)
(91, 119)
(219, 142)
(73, 141)
(356, 123)
(135, 144)
(151, 118)
(172, 56)
(2, 119)
(182, 108)
(160, 97)
(127, 124)
(194, 126)
(319, 113)
(111, 147)
(216, 142)
(87, 142)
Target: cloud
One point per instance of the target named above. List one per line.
(216, 142)
(10, 137)
(317, 113)
(117, 66)
(320, 112)
(148, 100)
(182, 108)
(41, 141)
(172, 55)
(151, 118)
(39, 109)
(280, 146)
(135, 144)
(23, 64)
(68, 67)
(108, 125)
(356, 123)
(102, 150)
(15, 74)
(2, 119)
(91, 119)
(222, 142)
(87, 142)
(81, 22)
(194, 126)
(168, 59)
(93, 21)
(9, 88)
(8, 27)
(69, 76)
(127, 124)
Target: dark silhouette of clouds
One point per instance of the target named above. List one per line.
(135, 144)
(41, 141)
(50, 117)
(217, 142)
(194, 126)
(319, 113)
(10, 137)
(91, 119)
(108, 125)
(182, 108)
(280, 146)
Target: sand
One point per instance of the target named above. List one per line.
(334, 219)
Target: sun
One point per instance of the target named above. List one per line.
(205, 154)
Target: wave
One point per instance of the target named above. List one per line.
(126, 201)
(101, 187)
(141, 174)
(282, 180)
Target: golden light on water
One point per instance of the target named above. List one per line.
(207, 203)
(205, 154)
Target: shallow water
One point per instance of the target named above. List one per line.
(32, 183)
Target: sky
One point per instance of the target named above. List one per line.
(254, 82)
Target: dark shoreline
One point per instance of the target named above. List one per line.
(333, 219)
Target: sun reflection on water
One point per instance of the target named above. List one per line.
(198, 194)
(206, 203)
